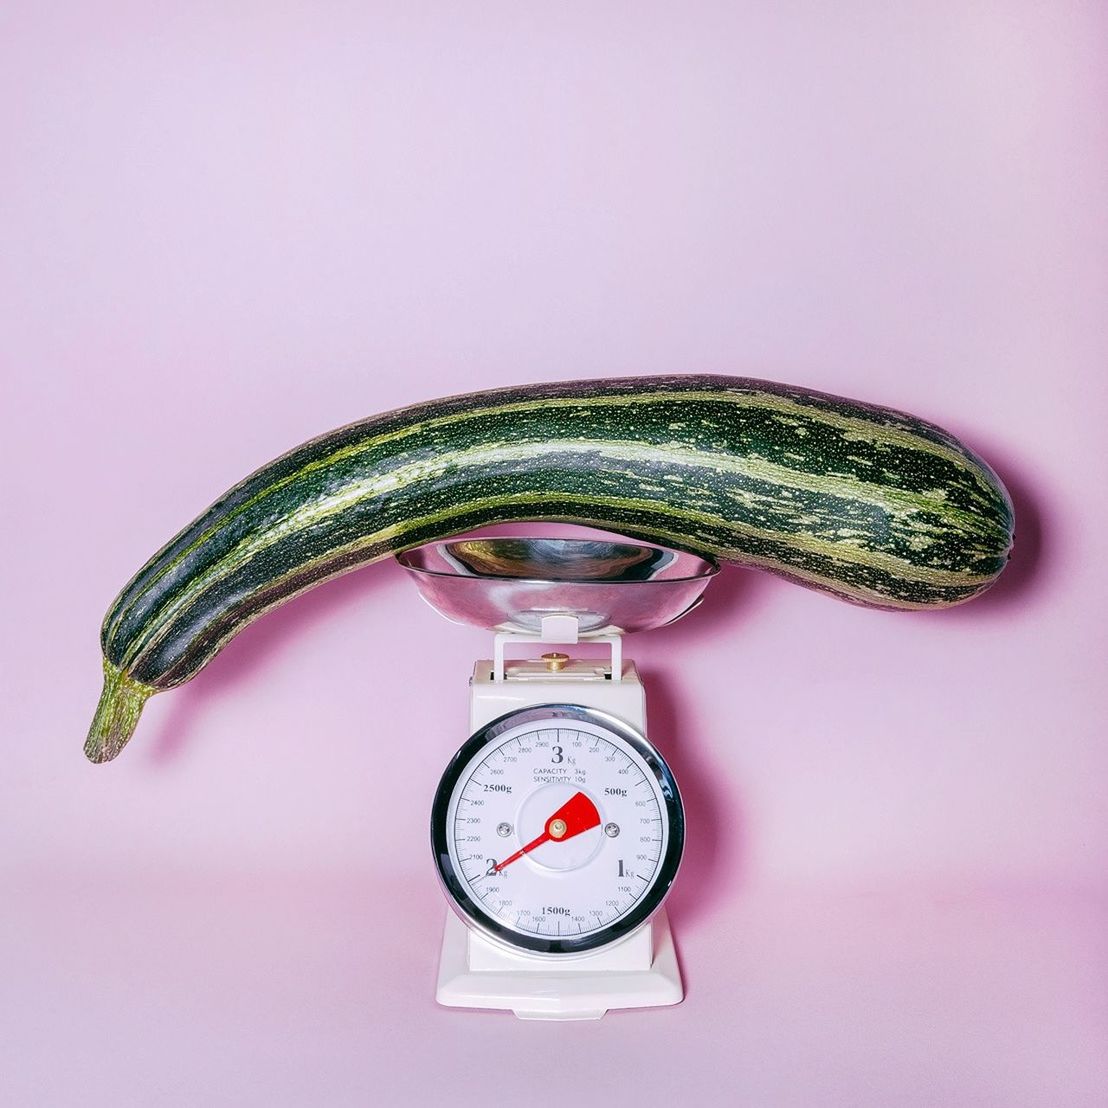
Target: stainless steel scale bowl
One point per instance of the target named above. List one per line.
(509, 584)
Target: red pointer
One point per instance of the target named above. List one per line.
(576, 815)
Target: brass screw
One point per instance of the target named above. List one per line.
(555, 661)
(557, 828)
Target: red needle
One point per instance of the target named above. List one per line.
(576, 815)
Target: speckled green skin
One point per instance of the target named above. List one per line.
(866, 503)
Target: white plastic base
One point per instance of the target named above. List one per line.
(639, 972)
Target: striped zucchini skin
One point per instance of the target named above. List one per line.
(869, 504)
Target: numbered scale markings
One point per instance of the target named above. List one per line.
(557, 829)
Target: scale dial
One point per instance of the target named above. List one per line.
(557, 829)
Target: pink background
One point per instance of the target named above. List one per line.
(225, 228)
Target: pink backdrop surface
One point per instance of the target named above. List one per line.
(227, 227)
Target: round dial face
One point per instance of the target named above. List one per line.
(557, 829)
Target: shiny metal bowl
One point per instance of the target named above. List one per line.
(511, 583)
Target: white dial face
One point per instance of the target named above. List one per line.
(558, 831)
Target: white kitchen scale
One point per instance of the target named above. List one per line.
(557, 828)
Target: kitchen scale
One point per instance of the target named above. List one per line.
(557, 828)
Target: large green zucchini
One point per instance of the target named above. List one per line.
(870, 504)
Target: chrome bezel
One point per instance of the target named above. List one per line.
(474, 914)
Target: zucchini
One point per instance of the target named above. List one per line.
(866, 503)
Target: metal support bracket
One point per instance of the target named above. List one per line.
(561, 629)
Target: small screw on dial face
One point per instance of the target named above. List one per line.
(611, 830)
(503, 830)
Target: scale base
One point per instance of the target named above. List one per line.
(640, 972)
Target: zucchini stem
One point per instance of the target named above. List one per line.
(117, 713)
